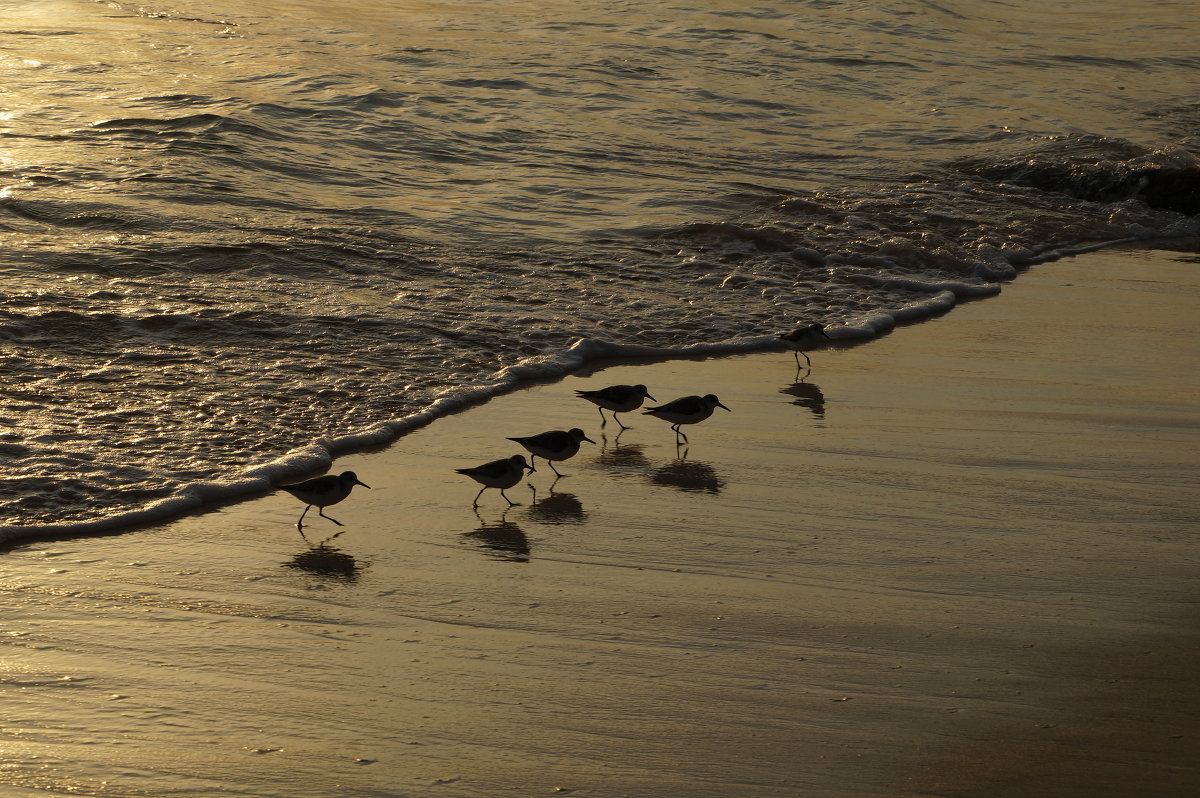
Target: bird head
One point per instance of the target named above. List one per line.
(713, 401)
(350, 478)
(579, 435)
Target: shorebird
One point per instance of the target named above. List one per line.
(618, 399)
(803, 338)
(553, 445)
(497, 474)
(322, 492)
(686, 410)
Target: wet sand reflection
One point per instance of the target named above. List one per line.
(323, 560)
(501, 539)
(808, 395)
(688, 475)
(557, 508)
(622, 456)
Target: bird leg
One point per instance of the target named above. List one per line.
(555, 470)
(300, 522)
(480, 493)
(679, 433)
(511, 503)
(321, 512)
(619, 424)
(331, 537)
(604, 420)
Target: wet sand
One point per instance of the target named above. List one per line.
(959, 560)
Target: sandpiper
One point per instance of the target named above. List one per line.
(686, 410)
(322, 492)
(803, 338)
(618, 399)
(554, 445)
(497, 474)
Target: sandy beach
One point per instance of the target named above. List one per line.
(959, 560)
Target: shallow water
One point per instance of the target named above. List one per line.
(246, 236)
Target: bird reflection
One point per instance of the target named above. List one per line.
(501, 539)
(629, 455)
(556, 508)
(807, 395)
(328, 561)
(688, 475)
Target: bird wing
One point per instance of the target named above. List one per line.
(493, 469)
(314, 485)
(686, 405)
(554, 440)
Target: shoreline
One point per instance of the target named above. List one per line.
(959, 561)
(318, 458)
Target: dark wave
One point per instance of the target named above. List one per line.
(1160, 185)
(67, 215)
(204, 124)
(48, 33)
(764, 239)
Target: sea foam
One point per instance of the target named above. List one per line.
(318, 456)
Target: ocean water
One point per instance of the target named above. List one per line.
(241, 238)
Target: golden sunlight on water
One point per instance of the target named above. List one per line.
(238, 236)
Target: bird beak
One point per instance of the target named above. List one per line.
(651, 398)
(589, 440)
(365, 485)
(723, 406)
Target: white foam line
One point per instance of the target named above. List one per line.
(319, 455)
